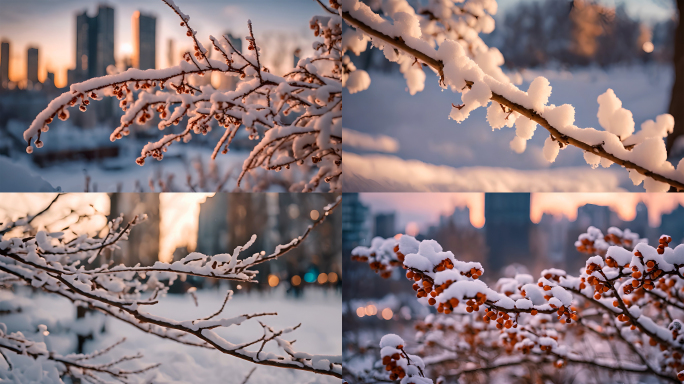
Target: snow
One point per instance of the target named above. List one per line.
(612, 117)
(391, 340)
(319, 311)
(385, 173)
(357, 81)
(17, 178)
(364, 141)
(459, 72)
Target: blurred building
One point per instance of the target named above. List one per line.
(212, 233)
(142, 245)
(144, 41)
(594, 215)
(171, 58)
(355, 227)
(32, 65)
(226, 82)
(229, 220)
(94, 44)
(384, 225)
(507, 229)
(672, 224)
(4, 63)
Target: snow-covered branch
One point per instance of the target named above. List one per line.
(49, 262)
(77, 366)
(628, 293)
(296, 117)
(444, 37)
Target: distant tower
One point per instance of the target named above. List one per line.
(142, 245)
(32, 65)
(225, 82)
(144, 46)
(94, 44)
(355, 223)
(86, 44)
(4, 63)
(105, 39)
(235, 41)
(384, 225)
(507, 229)
(171, 58)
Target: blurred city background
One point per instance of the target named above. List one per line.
(178, 224)
(583, 47)
(47, 46)
(508, 233)
(302, 287)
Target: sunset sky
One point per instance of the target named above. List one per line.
(424, 209)
(50, 26)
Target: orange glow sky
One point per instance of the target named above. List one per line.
(624, 204)
(423, 209)
(179, 222)
(417, 211)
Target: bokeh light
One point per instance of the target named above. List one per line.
(648, 47)
(322, 278)
(371, 310)
(360, 312)
(314, 215)
(296, 280)
(309, 277)
(387, 314)
(332, 277)
(273, 280)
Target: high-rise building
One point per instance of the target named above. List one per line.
(32, 65)
(234, 41)
(105, 39)
(142, 245)
(94, 44)
(4, 63)
(355, 223)
(384, 225)
(507, 229)
(171, 59)
(144, 36)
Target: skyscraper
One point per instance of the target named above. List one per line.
(144, 46)
(4, 63)
(32, 65)
(507, 229)
(94, 44)
(171, 58)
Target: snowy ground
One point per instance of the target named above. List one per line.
(427, 137)
(123, 173)
(319, 311)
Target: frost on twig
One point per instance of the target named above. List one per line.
(296, 118)
(66, 267)
(443, 36)
(627, 299)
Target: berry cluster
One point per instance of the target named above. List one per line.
(586, 246)
(390, 363)
(503, 320)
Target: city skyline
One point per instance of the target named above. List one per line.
(55, 33)
(419, 211)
